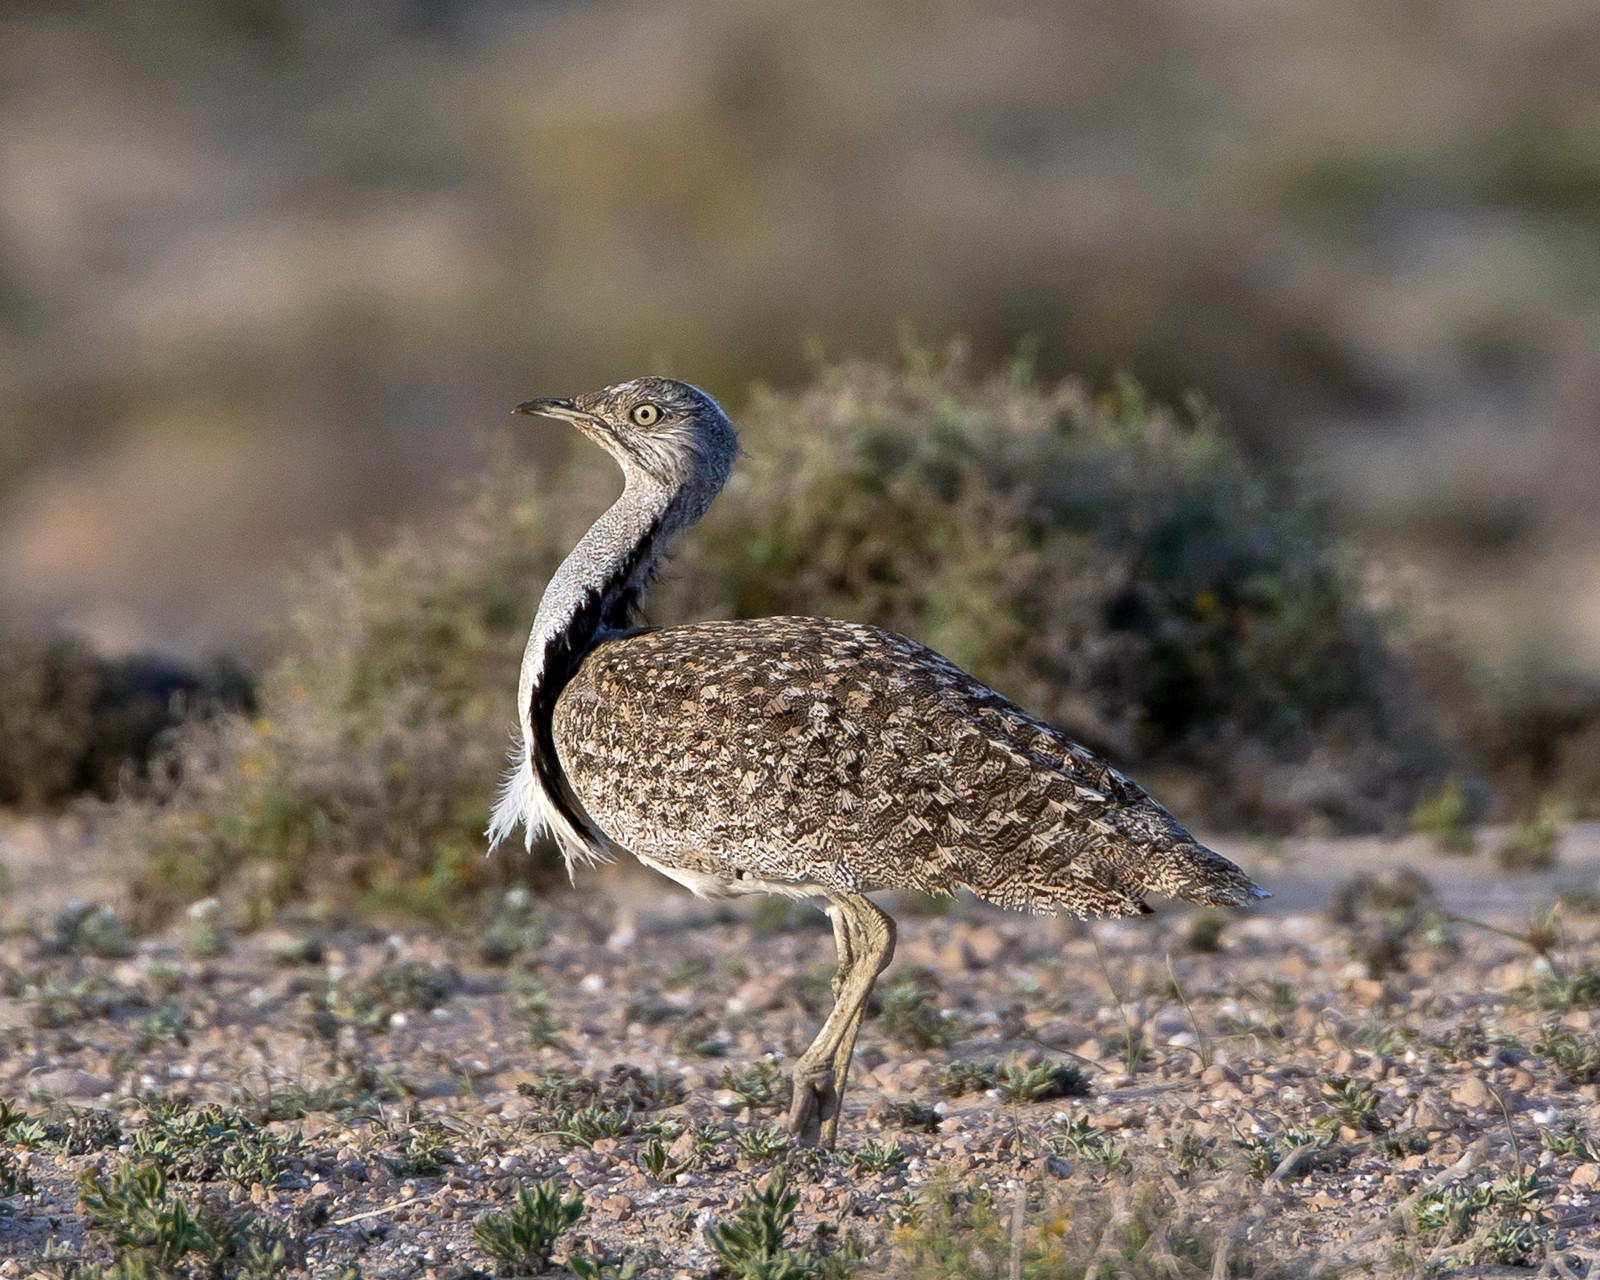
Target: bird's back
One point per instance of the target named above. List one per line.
(802, 751)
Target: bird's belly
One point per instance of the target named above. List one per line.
(703, 885)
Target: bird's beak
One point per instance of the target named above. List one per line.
(565, 410)
(590, 424)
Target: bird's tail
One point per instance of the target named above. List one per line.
(1187, 869)
(1114, 878)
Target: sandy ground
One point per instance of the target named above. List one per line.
(438, 1075)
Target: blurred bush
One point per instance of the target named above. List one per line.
(1117, 566)
(366, 778)
(72, 721)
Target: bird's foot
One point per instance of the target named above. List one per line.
(814, 1112)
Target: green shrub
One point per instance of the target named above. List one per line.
(1531, 846)
(72, 721)
(368, 775)
(1119, 567)
(153, 1232)
(1444, 815)
(964, 1231)
(910, 1016)
(753, 1245)
(525, 1236)
(1020, 1082)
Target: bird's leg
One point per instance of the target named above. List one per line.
(865, 937)
(874, 939)
(812, 1082)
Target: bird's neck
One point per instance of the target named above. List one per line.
(597, 589)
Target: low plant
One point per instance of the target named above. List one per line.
(207, 935)
(1445, 815)
(625, 1089)
(155, 1233)
(1530, 846)
(424, 1154)
(957, 1078)
(1191, 1152)
(1133, 1229)
(1576, 1146)
(1400, 1143)
(754, 1245)
(587, 1125)
(1561, 992)
(909, 1015)
(526, 1235)
(600, 1269)
(1020, 1082)
(761, 1085)
(909, 1114)
(655, 1158)
(1082, 1137)
(760, 1143)
(1510, 1244)
(90, 929)
(1205, 930)
(1518, 1193)
(14, 1179)
(1350, 1102)
(511, 922)
(211, 1142)
(1574, 1057)
(71, 1131)
(55, 1002)
(165, 1026)
(874, 1157)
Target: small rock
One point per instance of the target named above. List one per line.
(1472, 1094)
(1425, 1117)
(682, 1148)
(1586, 1175)
(620, 1207)
(1216, 1073)
(66, 1082)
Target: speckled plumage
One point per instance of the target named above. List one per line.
(800, 751)
(799, 755)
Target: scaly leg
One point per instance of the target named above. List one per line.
(865, 937)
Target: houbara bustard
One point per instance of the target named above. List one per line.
(801, 756)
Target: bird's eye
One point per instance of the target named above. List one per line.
(645, 415)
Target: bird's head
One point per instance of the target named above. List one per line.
(657, 429)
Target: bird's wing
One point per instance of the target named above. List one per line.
(802, 750)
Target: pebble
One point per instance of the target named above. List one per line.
(66, 1082)
(619, 1207)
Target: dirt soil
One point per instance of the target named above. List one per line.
(422, 1079)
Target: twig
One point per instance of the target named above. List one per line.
(1205, 1046)
(373, 1213)
(1516, 1149)
(1290, 1165)
(1018, 1207)
(1122, 1012)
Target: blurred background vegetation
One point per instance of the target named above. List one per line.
(272, 272)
